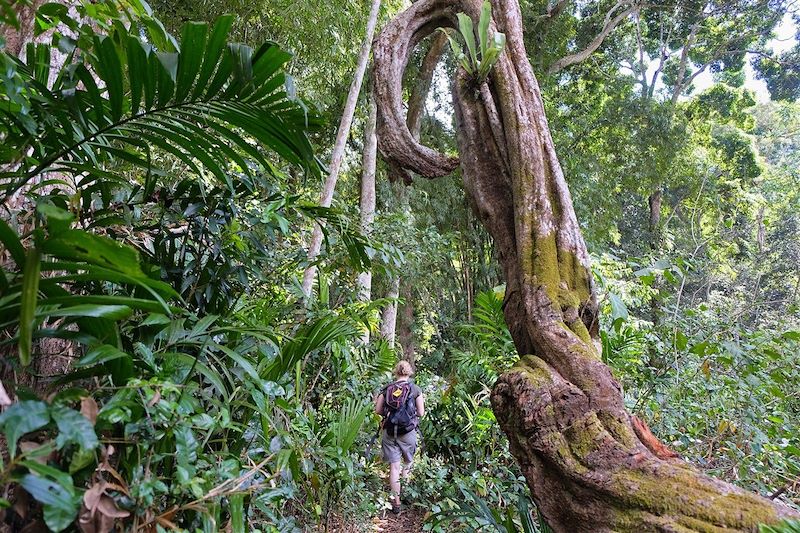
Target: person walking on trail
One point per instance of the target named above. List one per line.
(401, 405)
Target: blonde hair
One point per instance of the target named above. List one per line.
(403, 370)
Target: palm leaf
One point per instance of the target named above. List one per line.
(203, 104)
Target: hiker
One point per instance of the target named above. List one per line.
(401, 405)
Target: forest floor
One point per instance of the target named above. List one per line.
(409, 520)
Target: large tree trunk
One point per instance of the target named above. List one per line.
(341, 139)
(590, 465)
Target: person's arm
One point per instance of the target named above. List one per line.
(379, 404)
(420, 405)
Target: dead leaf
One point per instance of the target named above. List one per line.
(27, 446)
(108, 507)
(91, 498)
(21, 505)
(99, 511)
(89, 409)
(163, 522)
(155, 399)
(5, 401)
(706, 368)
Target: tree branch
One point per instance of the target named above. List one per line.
(608, 26)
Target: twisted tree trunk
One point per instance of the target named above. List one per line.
(590, 465)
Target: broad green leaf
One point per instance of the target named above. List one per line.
(60, 503)
(134, 303)
(109, 68)
(12, 243)
(21, 418)
(73, 428)
(618, 309)
(94, 249)
(166, 76)
(188, 362)
(30, 292)
(468, 32)
(236, 503)
(483, 28)
(186, 447)
(111, 312)
(791, 335)
(193, 41)
(58, 220)
(138, 73)
(214, 48)
(100, 354)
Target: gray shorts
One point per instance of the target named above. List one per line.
(403, 447)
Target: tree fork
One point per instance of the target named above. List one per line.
(590, 465)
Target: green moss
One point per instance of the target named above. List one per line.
(621, 432)
(575, 275)
(535, 370)
(686, 495)
(579, 329)
(545, 265)
(584, 435)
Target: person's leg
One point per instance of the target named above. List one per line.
(394, 483)
(406, 471)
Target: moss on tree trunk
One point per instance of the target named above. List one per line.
(590, 465)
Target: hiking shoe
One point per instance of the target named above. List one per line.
(395, 508)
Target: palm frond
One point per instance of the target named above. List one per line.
(207, 104)
(344, 431)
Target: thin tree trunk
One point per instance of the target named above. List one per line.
(368, 164)
(654, 207)
(680, 85)
(405, 325)
(590, 465)
(416, 110)
(389, 317)
(341, 138)
(419, 94)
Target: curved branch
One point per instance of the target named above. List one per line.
(390, 56)
(416, 102)
(608, 26)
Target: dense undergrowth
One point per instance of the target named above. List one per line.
(153, 237)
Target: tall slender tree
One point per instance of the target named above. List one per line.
(590, 465)
(326, 197)
(367, 204)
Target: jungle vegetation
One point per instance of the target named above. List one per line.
(224, 222)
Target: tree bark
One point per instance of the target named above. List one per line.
(389, 317)
(405, 325)
(590, 465)
(367, 204)
(341, 139)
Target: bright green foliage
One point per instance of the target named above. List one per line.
(169, 268)
(480, 57)
(186, 102)
(786, 526)
(473, 512)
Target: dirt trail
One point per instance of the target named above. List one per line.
(408, 521)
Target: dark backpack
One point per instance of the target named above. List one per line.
(400, 408)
